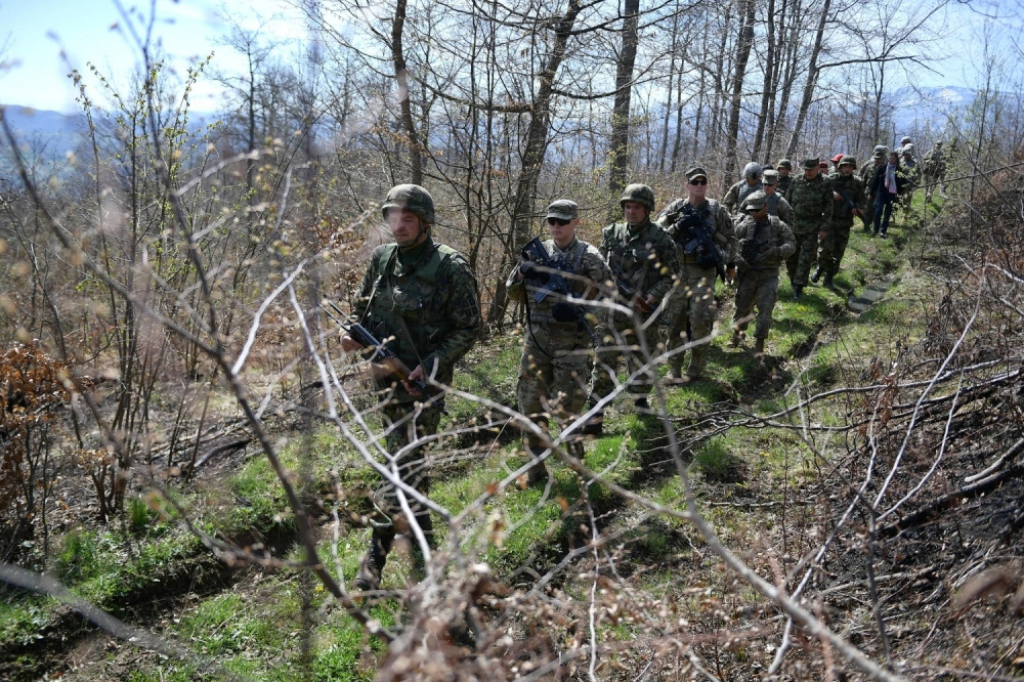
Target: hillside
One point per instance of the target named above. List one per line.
(847, 509)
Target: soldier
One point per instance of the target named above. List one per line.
(419, 298)
(751, 182)
(644, 263)
(867, 174)
(553, 372)
(777, 205)
(904, 141)
(847, 190)
(785, 167)
(934, 172)
(908, 163)
(836, 160)
(885, 187)
(811, 198)
(693, 311)
(763, 243)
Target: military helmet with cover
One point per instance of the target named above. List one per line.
(752, 170)
(848, 160)
(754, 202)
(638, 193)
(785, 163)
(905, 139)
(412, 198)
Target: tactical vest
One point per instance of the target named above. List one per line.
(409, 309)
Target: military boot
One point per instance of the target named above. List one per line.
(737, 339)
(829, 284)
(372, 565)
(798, 291)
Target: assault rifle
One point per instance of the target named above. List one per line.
(554, 282)
(381, 355)
(629, 293)
(849, 203)
(694, 236)
(754, 252)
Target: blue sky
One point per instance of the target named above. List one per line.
(34, 33)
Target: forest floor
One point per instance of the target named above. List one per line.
(868, 466)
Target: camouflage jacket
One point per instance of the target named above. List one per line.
(586, 270)
(643, 258)
(737, 193)
(763, 245)
(784, 184)
(812, 204)
(426, 309)
(778, 206)
(715, 214)
(867, 174)
(852, 187)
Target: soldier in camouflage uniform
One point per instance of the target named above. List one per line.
(785, 167)
(811, 198)
(847, 190)
(911, 174)
(554, 370)
(692, 315)
(420, 299)
(763, 243)
(777, 205)
(934, 172)
(750, 183)
(643, 260)
(867, 174)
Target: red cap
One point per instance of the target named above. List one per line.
(838, 157)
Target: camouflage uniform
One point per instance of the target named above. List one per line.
(911, 175)
(554, 369)
(777, 205)
(693, 311)
(643, 259)
(785, 182)
(736, 194)
(934, 172)
(812, 203)
(866, 175)
(770, 242)
(833, 248)
(422, 302)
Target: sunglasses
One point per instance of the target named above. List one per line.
(558, 221)
(699, 181)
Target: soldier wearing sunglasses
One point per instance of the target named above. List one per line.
(557, 348)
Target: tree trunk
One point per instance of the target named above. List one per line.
(743, 46)
(398, 57)
(623, 91)
(812, 80)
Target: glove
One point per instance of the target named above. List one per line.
(530, 270)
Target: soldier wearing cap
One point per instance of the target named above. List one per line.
(934, 172)
(811, 198)
(777, 205)
(554, 369)
(867, 174)
(763, 243)
(847, 191)
(836, 161)
(645, 265)
(692, 316)
(750, 183)
(785, 167)
(419, 298)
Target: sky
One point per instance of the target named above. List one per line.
(42, 40)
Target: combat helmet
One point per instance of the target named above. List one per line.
(785, 163)
(412, 198)
(752, 170)
(641, 194)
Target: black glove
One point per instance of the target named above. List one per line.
(531, 270)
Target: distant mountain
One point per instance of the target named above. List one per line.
(918, 109)
(43, 136)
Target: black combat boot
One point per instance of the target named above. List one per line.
(798, 291)
(829, 284)
(372, 565)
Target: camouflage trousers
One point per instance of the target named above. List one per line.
(553, 377)
(833, 248)
(692, 317)
(758, 288)
(404, 423)
(623, 348)
(798, 266)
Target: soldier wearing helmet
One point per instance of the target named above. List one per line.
(643, 260)
(867, 174)
(785, 167)
(764, 242)
(419, 299)
(750, 183)
(810, 195)
(847, 195)
(692, 315)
